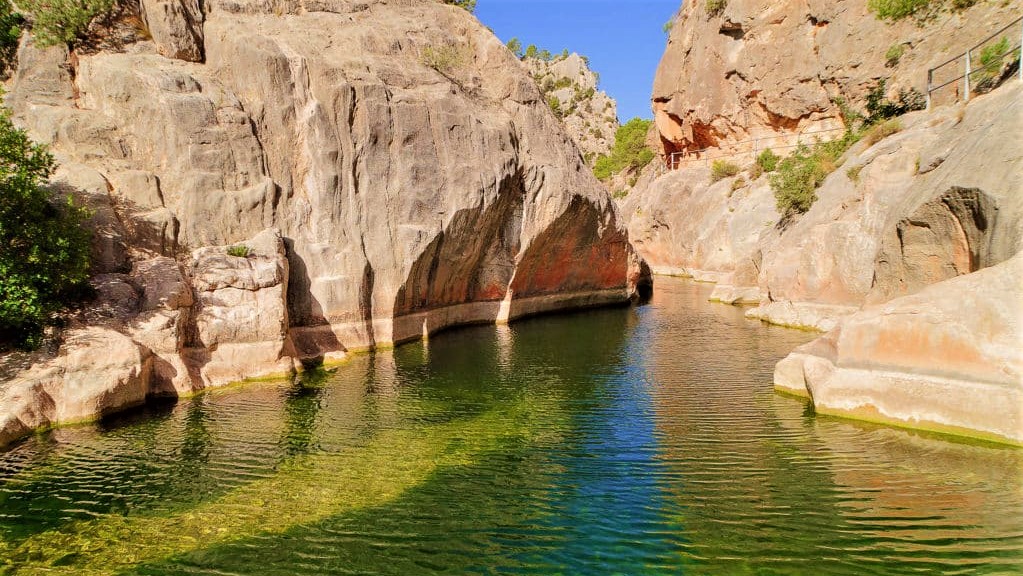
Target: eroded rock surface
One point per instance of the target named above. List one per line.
(947, 358)
(391, 166)
(762, 69)
(590, 116)
(936, 200)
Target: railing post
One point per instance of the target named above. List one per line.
(930, 82)
(966, 79)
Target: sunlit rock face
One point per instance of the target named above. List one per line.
(400, 155)
(934, 201)
(947, 358)
(760, 69)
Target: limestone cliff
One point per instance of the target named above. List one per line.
(589, 115)
(757, 69)
(384, 169)
(934, 199)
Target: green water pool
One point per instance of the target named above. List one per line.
(620, 441)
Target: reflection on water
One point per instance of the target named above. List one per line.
(630, 441)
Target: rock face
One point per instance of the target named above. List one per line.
(932, 202)
(391, 167)
(761, 69)
(948, 358)
(903, 224)
(589, 115)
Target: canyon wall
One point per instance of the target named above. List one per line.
(290, 181)
(761, 69)
(930, 203)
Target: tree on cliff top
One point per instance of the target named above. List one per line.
(469, 5)
(44, 251)
(629, 151)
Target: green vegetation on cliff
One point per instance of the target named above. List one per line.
(629, 152)
(10, 31)
(469, 5)
(797, 177)
(44, 251)
(63, 21)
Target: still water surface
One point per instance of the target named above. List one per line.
(621, 441)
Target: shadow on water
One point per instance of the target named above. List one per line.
(632, 440)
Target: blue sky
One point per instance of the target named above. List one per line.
(623, 39)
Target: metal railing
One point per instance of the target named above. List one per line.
(987, 69)
(677, 160)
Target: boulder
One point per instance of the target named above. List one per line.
(98, 371)
(176, 27)
(947, 358)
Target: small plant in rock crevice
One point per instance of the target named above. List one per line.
(715, 7)
(721, 169)
(239, 251)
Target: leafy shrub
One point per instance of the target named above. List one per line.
(10, 32)
(893, 55)
(768, 160)
(469, 5)
(516, 47)
(854, 173)
(629, 150)
(63, 21)
(619, 194)
(879, 107)
(798, 176)
(716, 7)
(562, 83)
(755, 171)
(720, 169)
(896, 9)
(239, 250)
(555, 105)
(44, 251)
(446, 59)
(991, 59)
(880, 131)
(738, 183)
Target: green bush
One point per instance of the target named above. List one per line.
(10, 32)
(716, 7)
(721, 169)
(446, 59)
(516, 47)
(239, 250)
(63, 21)
(798, 176)
(469, 5)
(992, 57)
(629, 150)
(44, 251)
(895, 9)
(768, 160)
(893, 55)
(880, 108)
(854, 173)
(555, 105)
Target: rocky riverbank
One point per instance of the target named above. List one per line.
(902, 227)
(391, 170)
